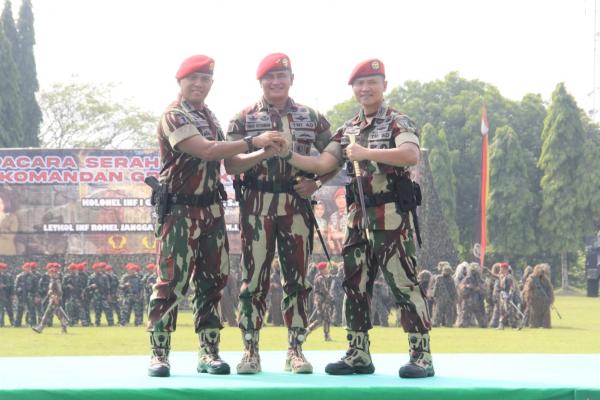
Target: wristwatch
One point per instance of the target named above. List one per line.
(319, 183)
(248, 140)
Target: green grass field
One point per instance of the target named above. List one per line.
(577, 332)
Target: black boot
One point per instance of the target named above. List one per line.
(357, 359)
(208, 357)
(159, 361)
(420, 364)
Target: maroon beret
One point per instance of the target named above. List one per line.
(197, 63)
(273, 62)
(367, 68)
(322, 265)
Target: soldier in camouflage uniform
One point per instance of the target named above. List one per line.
(490, 299)
(337, 293)
(425, 279)
(26, 290)
(54, 300)
(72, 293)
(273, 210)
(506, 292)
(444, 296)
(379, 309)
(276, 292)
(43, 283)
(132, 290)
(191, 231)
(538, 296)
(82, 282)
(471, 292)
(6, 295)
(323, 302)
(337, 225)
(387, 144)
(99, 291)
(113, 297)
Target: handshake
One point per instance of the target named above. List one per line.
(273, 143)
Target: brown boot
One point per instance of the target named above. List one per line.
(420, 364)
(295, 360)
(208, 357)
(159, 361)
(250, 363)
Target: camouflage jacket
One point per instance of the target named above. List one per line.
(182, 172)
(388, 129)
(303, 128)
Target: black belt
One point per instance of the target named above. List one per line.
(279, 186)
(195, 200)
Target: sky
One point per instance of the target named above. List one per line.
(519, 46)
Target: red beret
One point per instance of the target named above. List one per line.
(504, 265)
(3, 266)
(367, 68)
(322, 265)
(33, 264)
(132, 267)
(340, 192)
(51, 265)
(98, 265)
(108, 267)
(198, 63)
(73, 267)
(52, 269)
(151, 267)
(26, 265)
(273, 62)
(81, 266)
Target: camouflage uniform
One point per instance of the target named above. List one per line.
(471, 292)
(378, 302)
(6, 293)
(425, 279)
(273, 217)
(391, 245)
(490, 299)
(99, 287)
(337, 294)
(193, 241)
(444, 295)
(538, 295)
(505, 292)
(133, 298)
(26, 290)
(276, 293)
(54, 299)
(72, 293)
(82, 283)
(323, 305)
(113, 297)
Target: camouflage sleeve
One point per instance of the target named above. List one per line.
(323, 133)
(236, 129)
(405, 130)
(335, 146)
(177, 127)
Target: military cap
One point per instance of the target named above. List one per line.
(367, 68)
(108, 267)
(51, 265)
(98, 265)
(26, 265)
(322, 265)
(151, 267)
(273, 62)
(132, 267)
(73, 267)
(198, 63)
(3, 266)
(33, 264)
(504, 265)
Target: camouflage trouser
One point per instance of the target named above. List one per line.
(100, 304)
(259, 235)
(85, 313)
(52, 310)
(322, 312)
(28, 304)
(115, 307)
(74, 310)
(444, 314)
(394, 252)
(135, 303)
(189, 250)
(469, 311)
(6, 306)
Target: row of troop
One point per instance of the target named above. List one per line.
(269, 148)
(29, 294)
(492, 298)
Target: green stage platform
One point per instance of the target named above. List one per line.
(458, 376)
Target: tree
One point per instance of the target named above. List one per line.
(342, 112)
(85, 115)
(562, 214)
(442, 171)
(25, 60)
(11, 119)
(588, 191)
(510, 205)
